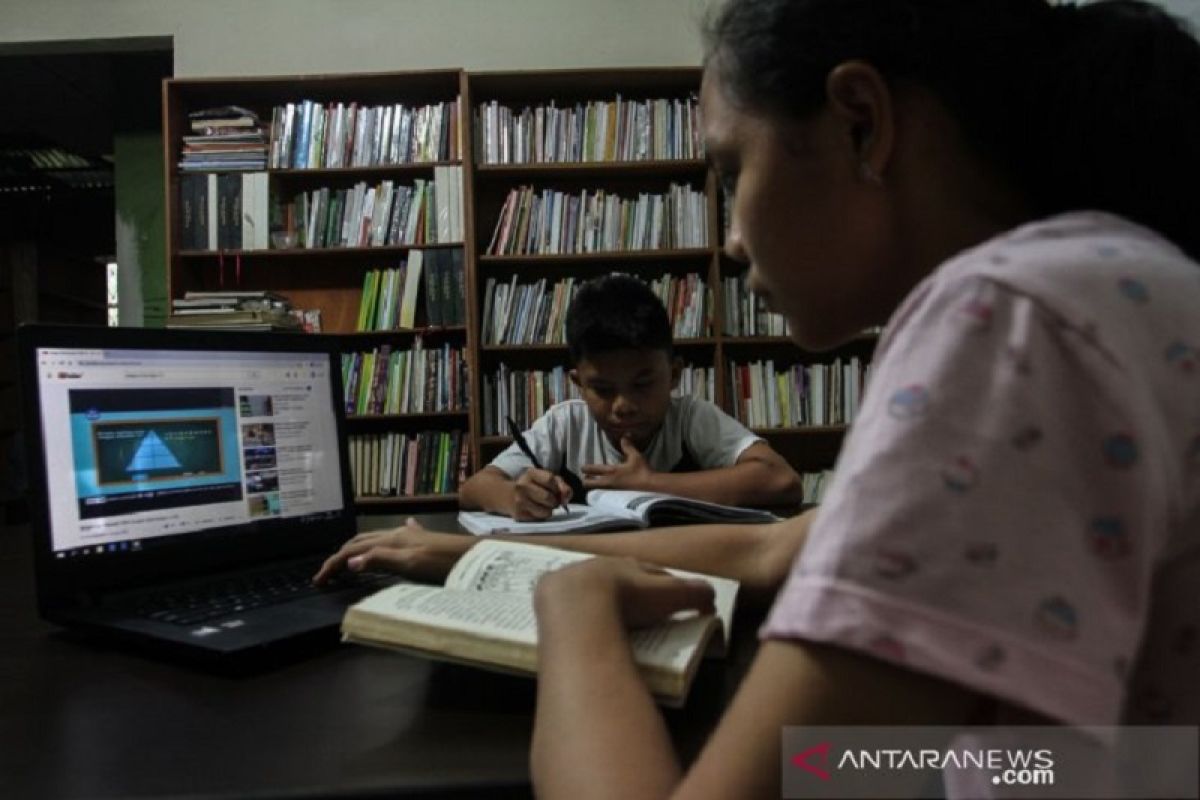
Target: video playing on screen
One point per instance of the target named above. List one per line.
(148, 449)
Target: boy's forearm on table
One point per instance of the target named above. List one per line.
(489, 490)
(746, 483)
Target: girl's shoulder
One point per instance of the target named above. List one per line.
(1086, 268)
(1064, 253)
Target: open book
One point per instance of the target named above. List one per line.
(483, 616)
(613, 509)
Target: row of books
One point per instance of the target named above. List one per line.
(535, 313)
(227, 138)
(698, 382)
(553, 222)
(523, 395)
(414, 381)
(746, 314)
(687, 301)
(799, 395)
(390, 297)
(612, 130)
(813, 485)
(309, 135)
(388, 214)
(527, 394)
(400, 464)
(227, 211)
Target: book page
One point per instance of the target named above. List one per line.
(515, 567)
(507, 567)
(490, 616)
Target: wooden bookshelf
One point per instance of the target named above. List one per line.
(328, 278)
(331, 278)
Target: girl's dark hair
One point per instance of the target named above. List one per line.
(1082, 107)
(616, 312)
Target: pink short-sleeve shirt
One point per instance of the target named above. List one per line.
(1017, 507)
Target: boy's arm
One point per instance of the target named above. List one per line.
(759, 478)
(534, 495)
(489, 489)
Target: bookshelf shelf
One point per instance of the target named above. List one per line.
(406, 501)
(605, 258)
(555, 348)
(756, 340)
(373, 336)
(420, 415)
(415, 169)
(803, 430)
(316, 252)
(682, 168)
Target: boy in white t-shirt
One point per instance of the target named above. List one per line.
(627, 431)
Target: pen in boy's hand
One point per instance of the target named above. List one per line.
(519, 438)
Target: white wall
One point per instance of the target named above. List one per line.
(288, 37)
(1188, 9)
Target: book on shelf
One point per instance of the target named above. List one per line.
(483, 616)
(225, 211)
(407, 315)
(273, 319)
(615, 509)
(213, 302)
(227, 138)
(551, 222)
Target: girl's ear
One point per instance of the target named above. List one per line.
(574, 376)
(859, 97)
(676, 372)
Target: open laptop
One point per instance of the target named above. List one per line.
(185, 485)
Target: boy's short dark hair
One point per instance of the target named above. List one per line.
(616, 312)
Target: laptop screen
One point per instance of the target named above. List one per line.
(146, 446)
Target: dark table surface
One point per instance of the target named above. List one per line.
(80, 719)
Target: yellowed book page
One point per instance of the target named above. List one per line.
(514, 568)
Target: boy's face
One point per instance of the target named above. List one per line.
(627, 392)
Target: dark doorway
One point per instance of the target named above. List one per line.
(67, 106)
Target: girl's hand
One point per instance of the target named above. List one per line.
(409, 550)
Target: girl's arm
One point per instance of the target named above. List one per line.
(598, 733)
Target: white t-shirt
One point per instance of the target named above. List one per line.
(568, 435)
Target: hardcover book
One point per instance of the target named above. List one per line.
(483, 617)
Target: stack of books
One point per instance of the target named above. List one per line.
(226, 139)
(242, 311)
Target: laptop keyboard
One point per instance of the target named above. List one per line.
(233, 595)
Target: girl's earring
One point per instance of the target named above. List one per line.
(868, 174)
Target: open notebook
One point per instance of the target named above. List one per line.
(611, 510)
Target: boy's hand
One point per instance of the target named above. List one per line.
(632, 473)
(537, 493)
